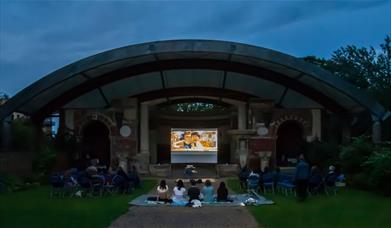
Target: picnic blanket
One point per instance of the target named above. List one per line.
(238, 200)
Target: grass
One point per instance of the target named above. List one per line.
(349, 208)
(34, 208)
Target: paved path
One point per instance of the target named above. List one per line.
(205, 217)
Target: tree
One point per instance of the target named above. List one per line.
(368, 69)
(3, 97)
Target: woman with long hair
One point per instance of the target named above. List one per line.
(163, 193)
(222, 193)
(179, 191)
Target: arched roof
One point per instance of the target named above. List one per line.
(202, 65)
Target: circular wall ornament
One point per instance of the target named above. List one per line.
(125, 131)
(262, 131)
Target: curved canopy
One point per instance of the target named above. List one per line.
(190, 67)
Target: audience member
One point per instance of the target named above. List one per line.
(179, 191)
(331, 177)
(222, 193)
(133, 176)
(163, 193)
(193, 192)
(243, 176)
(315, 182)
(301, 178)
(208, 191)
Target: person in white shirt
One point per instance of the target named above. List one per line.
(179, 191)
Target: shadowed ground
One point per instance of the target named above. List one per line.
(163, 216)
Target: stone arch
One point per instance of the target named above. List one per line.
(275, 124)
(95, 116)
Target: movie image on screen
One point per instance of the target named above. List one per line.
(183, 140)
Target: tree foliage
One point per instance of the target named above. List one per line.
(367, 68)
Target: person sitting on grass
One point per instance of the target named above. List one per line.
(207, 191)
(193, 192)
(222, 193)
(163, 193)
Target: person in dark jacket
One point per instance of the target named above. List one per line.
(301, 178)
(193, 192)
(222, 193)
(315, 182)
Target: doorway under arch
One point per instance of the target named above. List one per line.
(290, 143)
(96, 143)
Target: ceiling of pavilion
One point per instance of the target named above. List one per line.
(199, 78)
(201, 64)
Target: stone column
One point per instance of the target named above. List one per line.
(241, 116)
(143, 156)
(376, 132)
(316, 124)
(144, 129)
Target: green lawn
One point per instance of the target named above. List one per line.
(34, 208)
(350, 208)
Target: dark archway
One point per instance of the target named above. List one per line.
(290, 142)
(96, 143)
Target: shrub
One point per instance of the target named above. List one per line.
(43, 164)
(355, 154)
(379, 170)
(23, 135)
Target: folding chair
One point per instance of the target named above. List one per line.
(268, 182)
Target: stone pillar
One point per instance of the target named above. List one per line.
(241, 116)
(69, 119)
(376, 132)
(316, 124)
(144, 129)
(143, 156)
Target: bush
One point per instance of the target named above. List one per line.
(379, 170)
(12, 183)
(354, 155)
(23, 135)
(44, 162)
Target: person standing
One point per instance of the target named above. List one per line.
(301, 178)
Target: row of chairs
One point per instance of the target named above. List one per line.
(285, 184)
(85, 185)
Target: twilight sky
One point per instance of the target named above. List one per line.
(38, 37)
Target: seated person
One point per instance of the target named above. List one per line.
(179, 191)
(243, 175)
(133, 176)
(207, 191)
(315, 182)
(69, 180)
(222, 193)
(121, 180)
(193, 192)
(163, 193)
(253, 181)
(331, 177)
